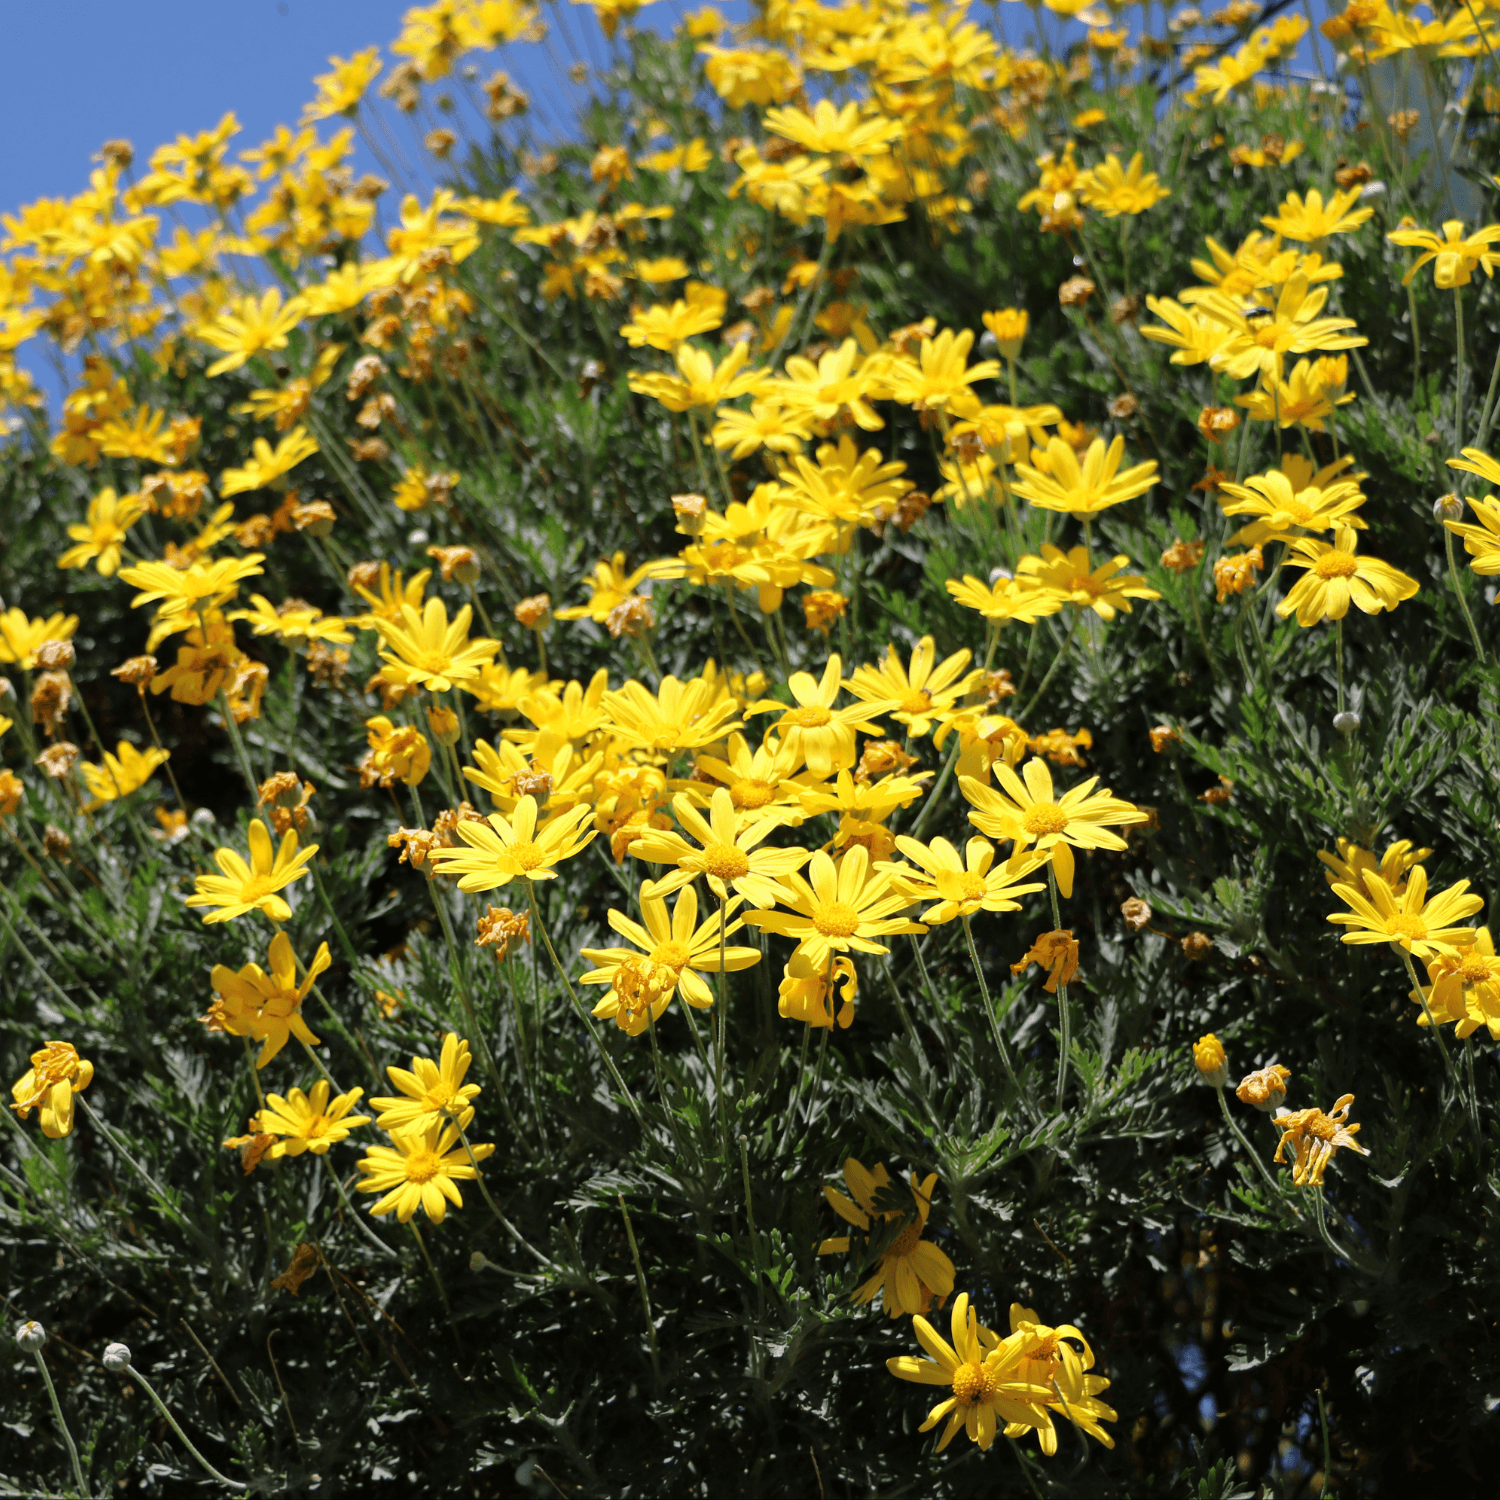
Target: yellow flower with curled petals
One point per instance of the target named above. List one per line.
(55, 1075)
(1337, 577)
(266, 1004)
(1412, 923)
(427, 650)
(431, 1093)
(923, 689)
(308, 1122)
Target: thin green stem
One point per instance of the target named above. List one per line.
(989, 1008)
(62, 1423)
(357, 1218)
(432, 1269)
(1456, 579)
(583, 1015)
(640, 1277)
(1057, 661)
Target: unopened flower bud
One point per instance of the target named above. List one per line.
(117, 1358)
(535, 611)
(1212, 1065)
(444, 725)
(689, 510)
(1346, 723)
(30, 1336)
(1445, 508)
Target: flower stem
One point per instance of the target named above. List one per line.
(354, 1214)
(437, 1280)
(1064, 1019)
(240, 753)
(989, 1008)
(640, 1277)
(1458, 590)
(1057, 661)
(583, 1015)
(62, 1422)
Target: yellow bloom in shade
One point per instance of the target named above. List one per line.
(807, 993)
(504, 848)
(1088, 490)
(988, 1389)
(678, 716)
(242, 887)
(1069, 574)
(1337, 577)
(1311, 221)
(1314, 1137)
(121, 774)
(611, 586)
(1115, 190)
(1464, 988)
(21, 636)
(839, 907)
(822, 734)
(55, 1075)
(922, 690)
(426, 650)
(1007, 598)
(266, 1006)
(1421, 927)
(913, 1272)
(432, 1094)
(98, 539)
(1009, 326)
(398, 752)
(677, 943)
(420, 1169)
(1457, 255)
(961, 885)
(385, 592)
(1028, 810)
(1210, 1060)
(729, 856)
(1050, 1360)
(308, 1122)
(1351, 864)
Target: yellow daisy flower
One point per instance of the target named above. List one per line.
(1314, 1138)
(961, 885)
(728, 856)
(1028, 810)
(913, 1273)
(55, 1075)
(923, 690)
(1420, 927)
(432, 1094)
(677, 942)
(988, 1391)
(242, 887)
(1464, 988)
(425, 650)
(839, 907)
(505, 848)
(121, 774)
(1070, 574)
(420, 1169)
(1049, 1359)
(266, 1006)
(822, 734)
(308, 1122)
(1336, 578)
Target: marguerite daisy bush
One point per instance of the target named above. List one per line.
(678, 724)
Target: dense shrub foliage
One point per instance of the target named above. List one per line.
(735, 727)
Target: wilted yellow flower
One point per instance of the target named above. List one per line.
(55, 1075)
(1314, 1137)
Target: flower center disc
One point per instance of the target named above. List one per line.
(725, 861)
(422, 1166)
(907, 1240)
(673, 955)
(1403, 926)
(916, 702)
(972, 1383)
(1474, 971)
(751, 794)
(808, 718)
(1044, 818)
(835, 919)
(960, 885)
(1336, 565)
(527, 855)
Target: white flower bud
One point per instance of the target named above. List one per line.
(30, 1336)
(1447, 508)
(117, 1358)
(1346, 722)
